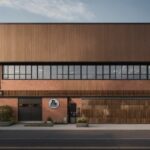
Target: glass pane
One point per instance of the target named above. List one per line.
(60, 76)
(5, 76)
(124, 69)
(65, 72)
(91, 72)
(17, 70)
(143, 69)
(130, 69)
(144, 76)
(99, 69)
(84, 72)
(136, 69)
(130, 76)
(5, 69)
(136, 76)
(148, 69)
(77, 72)
(60, 70)
(16, 76)
(28, 69)
(54, 72)
(28, 76)
(46, 70)
(65, 69)
(40, 72)
(113, 70)
(71, 72)
(106, 69)
(34, 72)
(22, 76)
(124, 76)
(99, 76)
(22, 69)
(11, 70)
(11, 76)
(106, 76)
(71, 69)
(118, 72)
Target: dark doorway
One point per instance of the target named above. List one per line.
(30, 109)
(72, 108)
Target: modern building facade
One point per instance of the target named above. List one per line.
(63, 71)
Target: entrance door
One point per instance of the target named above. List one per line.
(72, 112)
(30, 109)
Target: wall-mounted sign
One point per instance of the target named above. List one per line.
(53, 103)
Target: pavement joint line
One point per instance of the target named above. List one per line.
(75, 148)
(74, 138)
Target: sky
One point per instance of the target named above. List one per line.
(99, 11)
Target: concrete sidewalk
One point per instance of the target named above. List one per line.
(73, 127)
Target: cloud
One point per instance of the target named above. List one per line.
(61, 10)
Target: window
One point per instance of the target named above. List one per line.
(71, 72)
(28, 72)
(118, 72)
(106, 72)
(124, 72)
(54, 72)
(143, 72)
(91, 72)
(77, 72)
(46, 72)
(40, 72)
(130, 72)
(34, 72)
(99, 72)
(60, 72)
(84, 72)
(136, 72)
(65, 72)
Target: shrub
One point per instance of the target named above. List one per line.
(82, 120)
(6, 113)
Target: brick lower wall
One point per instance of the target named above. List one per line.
(59, 114)
(12, 102)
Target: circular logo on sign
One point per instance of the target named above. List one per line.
(53, 103)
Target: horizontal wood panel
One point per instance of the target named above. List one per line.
(116, 111)
(74, 42)
(77, 93)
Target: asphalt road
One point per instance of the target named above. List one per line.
(74, 140)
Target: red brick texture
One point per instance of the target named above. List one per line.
(58, 114)
(84, 85)
(12, 102)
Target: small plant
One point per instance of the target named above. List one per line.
(49, 119)
(82, 120)
(6, 113)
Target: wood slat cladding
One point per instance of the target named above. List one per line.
(116, 111)
(74, 42)
(76, 93)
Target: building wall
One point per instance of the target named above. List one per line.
(69, 85)
(12, 102)
(74, 42)
(59, 114)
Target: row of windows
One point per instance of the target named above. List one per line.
(76, 72)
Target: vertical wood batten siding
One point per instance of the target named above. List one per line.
(74, 42)
(117, 111)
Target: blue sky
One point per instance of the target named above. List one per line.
(74, 10)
